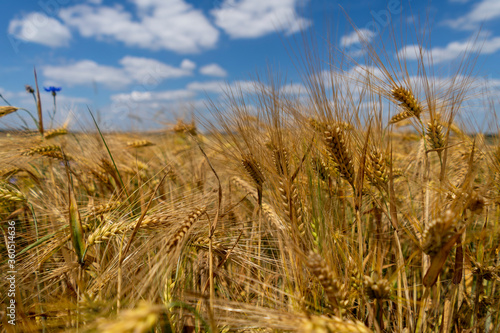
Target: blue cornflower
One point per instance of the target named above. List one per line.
(53, 90)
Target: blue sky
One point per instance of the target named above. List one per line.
(157, 59)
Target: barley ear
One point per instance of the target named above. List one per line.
(337, 148)
(403, 115)
(52, 133)
(184, 228)
(407, 101)
(334, 289)
(5, 110)
(332, 324)
(253, 169)
(435, 135)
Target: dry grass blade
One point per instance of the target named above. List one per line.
(141, 219)
(38, 105)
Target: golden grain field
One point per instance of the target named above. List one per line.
(364, 205)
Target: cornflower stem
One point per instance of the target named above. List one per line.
(55, 110)
(1, 96)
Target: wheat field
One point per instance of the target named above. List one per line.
(363, 205)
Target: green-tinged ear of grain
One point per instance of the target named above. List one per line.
(5, 110)
(8, 195)
(75, 224)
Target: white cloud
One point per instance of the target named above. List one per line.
(174, 95)
(144, 71)
(41, 29)
(85, 72)
(485, 10)
(354, 37)
(170, 25)
(136, 98)
(451, 51)
(294, 89)
(360, 71)
(64, 102)
(256, 18)
(208, 86)
(213, 70)
(6, 94)
(188, 64)
(247, 86)
(150, 71)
